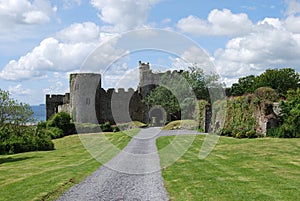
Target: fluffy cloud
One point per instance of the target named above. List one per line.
(80, 32)
(56, 87)
(219, 22)
(18, 90)
(50, 55)
(77, 47)
(269, 45)
(293, 7)
(292, 23)
(62, 53)
(20, 12)
(124, 15)
(196, 57)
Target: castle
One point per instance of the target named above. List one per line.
(88, 102)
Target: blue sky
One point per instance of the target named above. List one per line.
(43, 41)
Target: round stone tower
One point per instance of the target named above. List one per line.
(83, 92)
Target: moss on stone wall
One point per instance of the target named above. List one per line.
(240, 120)
(242, 116)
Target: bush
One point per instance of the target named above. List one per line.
(31, 140)
(290, 117)
(54, 132)
(62, 121)
(106, 127)
(225, 132)
(267, 93)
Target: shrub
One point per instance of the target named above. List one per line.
(290, 117)
(225, 132)
(115, 128)
(31, 140)
(251, 134)
(54, 132)
(106, 127)
(266, 93)
(62, 121)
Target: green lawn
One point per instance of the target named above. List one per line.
(237, 169)
(46, 174)
(181, 124)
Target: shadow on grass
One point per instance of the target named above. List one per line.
(11, 159)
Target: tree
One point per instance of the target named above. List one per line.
(245, 85)
(13, 113)
(290, 116)
(281, 80)
(15, 135)
(164, 97)
(201, 82)
(177, 94)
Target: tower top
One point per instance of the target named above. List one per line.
(144, 66)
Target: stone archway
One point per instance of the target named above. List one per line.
(157, 116)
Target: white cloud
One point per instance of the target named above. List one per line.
(80, 32)
(56, 87)
(292, 23)
(65, 52)
(50, 55)
(293, 7)
(21, 12)
(70, 3)
(123, 15)
(269, 45)
(35, 17)
(271, 22)
(18, 90)
(194, 57)
(219, 22)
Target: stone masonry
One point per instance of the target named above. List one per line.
(88, 102)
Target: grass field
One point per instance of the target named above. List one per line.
(237, 169)
(45, 175)
(181, 124)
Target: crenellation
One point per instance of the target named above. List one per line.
(88, 102)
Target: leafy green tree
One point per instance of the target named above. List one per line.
(281, 80)
(201, 82)
(164, 97)
(15, 135)
(245, 85)
(290, 115)
(14, 114)
(178, 94)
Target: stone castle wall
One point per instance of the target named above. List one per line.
(88, 102)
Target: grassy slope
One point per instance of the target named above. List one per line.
(181, 124)
(37, 175)
(247, 169)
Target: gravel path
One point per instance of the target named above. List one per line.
(134, 174)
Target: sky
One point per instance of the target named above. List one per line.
(43, 41)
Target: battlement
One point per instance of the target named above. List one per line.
(52, 103)
(87, 95)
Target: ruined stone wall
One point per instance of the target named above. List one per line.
(243, 115)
